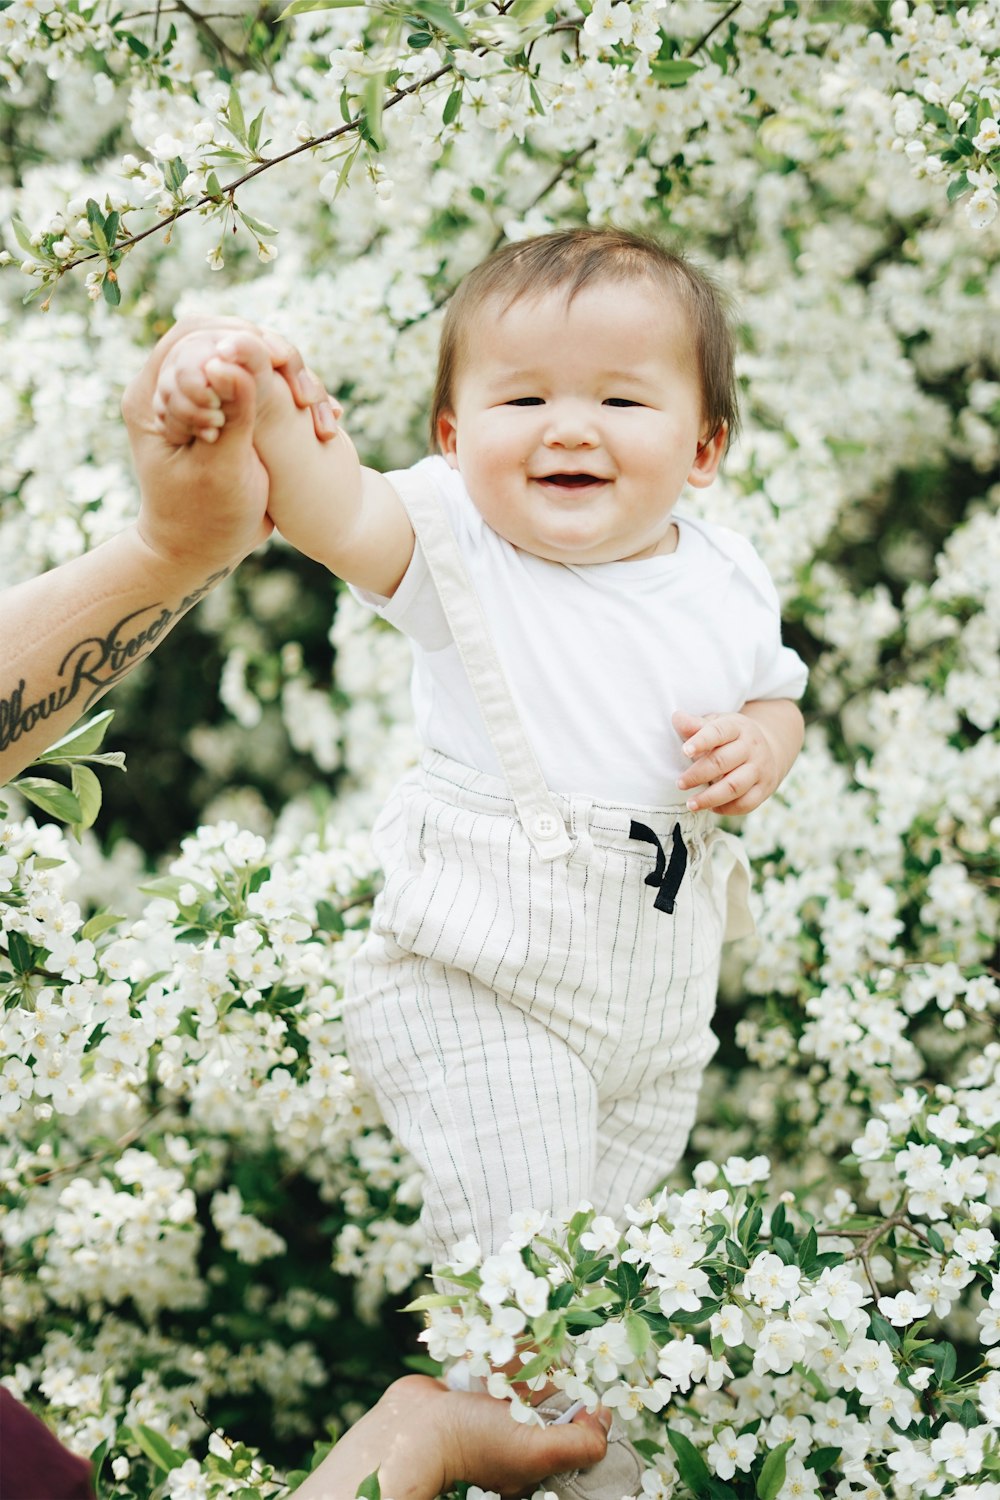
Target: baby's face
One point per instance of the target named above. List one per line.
(576, 427)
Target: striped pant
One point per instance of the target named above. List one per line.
(535, 1031)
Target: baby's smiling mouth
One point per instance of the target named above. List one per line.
(571, 481)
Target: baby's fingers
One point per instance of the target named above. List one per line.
(733, 792)
(716, 761)
(181, 417)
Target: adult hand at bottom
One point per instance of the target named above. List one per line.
(422, 1438)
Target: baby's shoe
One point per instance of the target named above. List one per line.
(617, 1476)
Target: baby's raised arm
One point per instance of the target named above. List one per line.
(321, 498)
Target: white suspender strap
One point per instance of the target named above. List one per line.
(536, 809)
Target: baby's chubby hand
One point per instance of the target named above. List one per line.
(733, 762)
(214, 374)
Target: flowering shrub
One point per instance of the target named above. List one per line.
(204, 1224)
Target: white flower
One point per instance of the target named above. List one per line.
(988, 137)
(982, 208)
(730, 1452)
(608, 1350)
(741, 1173)
(904, 1308)
(977, 1246)
(770, 1282)
(602, 1235)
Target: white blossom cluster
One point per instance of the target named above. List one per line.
(816, 1371)
(212, 1018)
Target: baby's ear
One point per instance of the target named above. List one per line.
(447, 436)
(708, 458)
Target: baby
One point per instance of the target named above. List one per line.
(595, 679)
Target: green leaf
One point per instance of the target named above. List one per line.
(957, 187)
(111, 291)
(430, 1300)
(536, 1366)
(369, 1489)
(691, 1319)
(883, 1330)
(772, 1475)
(113, 758)
(22, 953)
(936, 1241)
(690, 1465)
(52, 798)
(443, 18)
(577, 1318)
(22, 236)
(843, 1337)
(748, 1228)
(96, 221)
(169, 886)
(84, 739)
(345, 171)
(253, 134)
(968, 1415)
(422, 1364)
(99, 924)
(301, 7)
(945, 1361)
(628, 1281)
(157, 1449)
(452, 105)
(87, 789)
(822, 1459)
(638, 1334)
(673, 71)
(328, 917)
(256, 226)
(234, 115)
(529, 10)
(372, 103)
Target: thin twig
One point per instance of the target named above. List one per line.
(264, 165)
(119, 1145)
(212, 36)
(713, 29)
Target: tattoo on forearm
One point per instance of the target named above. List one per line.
(94, 664)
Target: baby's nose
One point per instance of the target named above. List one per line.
(571, 425)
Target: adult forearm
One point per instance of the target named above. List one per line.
(780, 719)
(71, 634)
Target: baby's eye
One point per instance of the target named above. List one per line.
(525, 401)
(621, 401)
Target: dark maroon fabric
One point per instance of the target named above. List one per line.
(34, 1465)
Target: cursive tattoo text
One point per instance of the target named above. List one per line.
(94, 664)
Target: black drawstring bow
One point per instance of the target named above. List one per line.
(667, 876)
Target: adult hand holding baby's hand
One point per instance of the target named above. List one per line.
(205, 507)
(735, 762)
(204, 372)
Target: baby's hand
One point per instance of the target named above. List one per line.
(217, 374)
(733, 762)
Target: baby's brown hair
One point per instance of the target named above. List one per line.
(570, 258)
